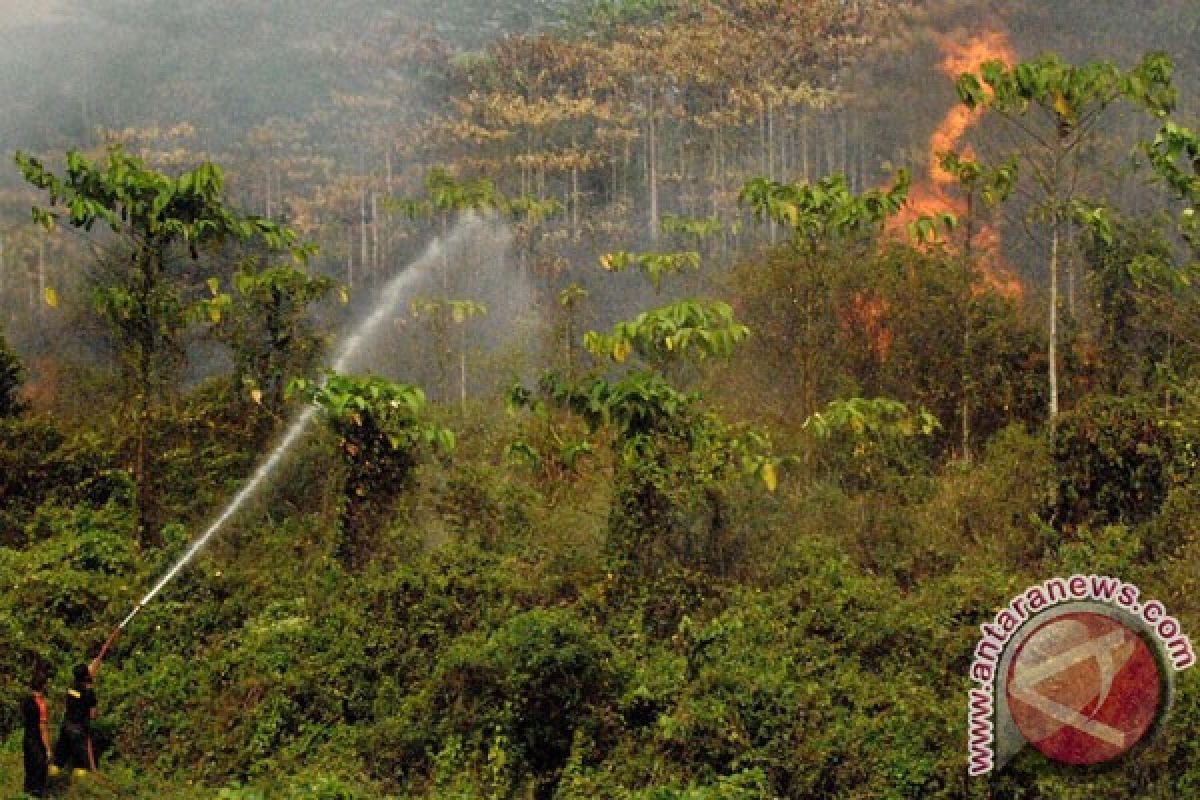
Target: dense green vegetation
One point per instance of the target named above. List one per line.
(716, 515)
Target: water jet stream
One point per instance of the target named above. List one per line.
(393, 292)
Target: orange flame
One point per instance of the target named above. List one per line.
(959, 57)
(867, 315)
(947, 136)
(931, 197)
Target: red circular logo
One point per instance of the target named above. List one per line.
(1083, 688)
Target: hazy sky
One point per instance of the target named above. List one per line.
(16, 13)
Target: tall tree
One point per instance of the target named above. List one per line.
(982, 189)
(267, 329)
(441, 315)
(147, 294)
(671, 453)
(383, 433)
(1055, 111)
(799, 297)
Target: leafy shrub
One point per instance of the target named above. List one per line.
(746, 785)
(12, 373)
(59, 592)
(201, 449)
(1117, 458)
(536, 680)
(382, 435)
(867, 439)
(1176, 524)
(41, 464)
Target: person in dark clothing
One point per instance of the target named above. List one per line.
(36, 720)
(74, 747)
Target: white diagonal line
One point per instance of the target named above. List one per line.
(1034, 675)
(1027, 678)
(1069, 716)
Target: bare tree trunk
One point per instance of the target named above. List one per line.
(31, 287)
(139, 474)
(804, 165)
(762, 141)
(782, 140)
(715, 177)
(830, 145)
(364, 255)
(1167, 384)
(628, 160)
(375, 233)
(570, 339)
(862, 157)
(725, 243)
(1070, 288)
(768, 157)
(1052, 354)
(462, 366)
(969, 255)
(144, 377)
(41, 271)
(965, 411)
(575, 202)
(615, 189)
(844, 126)
(1069, 246)
(652, 167)
(770, 139)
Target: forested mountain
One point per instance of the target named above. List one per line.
(670, 388)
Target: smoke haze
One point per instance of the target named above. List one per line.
(317, 109)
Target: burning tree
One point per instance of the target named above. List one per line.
(959, 185)
(796, 292)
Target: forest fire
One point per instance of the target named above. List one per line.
(866, 316)
(935, 194)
